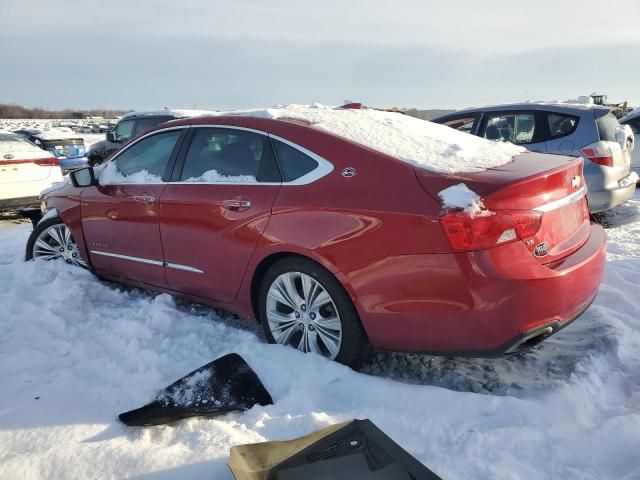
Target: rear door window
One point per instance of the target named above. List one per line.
(518, 128)
(222, 155)
(561, 125)
(607, 125)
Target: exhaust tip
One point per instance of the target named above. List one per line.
(531, 340)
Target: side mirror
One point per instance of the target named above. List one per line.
(111, 137)
(83, 177)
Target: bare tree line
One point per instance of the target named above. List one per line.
(18, 111)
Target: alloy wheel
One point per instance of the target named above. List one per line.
(56, 242)
(301, 313)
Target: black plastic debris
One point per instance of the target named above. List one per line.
(224, 385)
(355, 450)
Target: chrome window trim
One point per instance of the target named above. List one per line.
(562, 202)
(323, 169)
(158, 263)
(127, 257)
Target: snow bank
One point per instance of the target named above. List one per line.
(427, 145)
(76, 351)
(462, 197)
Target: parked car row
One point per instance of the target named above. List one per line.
(343, 230)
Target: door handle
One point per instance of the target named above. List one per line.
(236, 205)
(144, 199)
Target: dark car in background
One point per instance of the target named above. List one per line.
(582, 130)
(129, 126)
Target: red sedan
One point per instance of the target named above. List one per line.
(335, 246)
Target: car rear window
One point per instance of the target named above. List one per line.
(607, 125)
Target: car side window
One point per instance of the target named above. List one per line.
(561, 125)
(144, 123)
(225, 155)
(124, 131)
(464, 124)
(518, 128)
(143, 162)
(293, 163)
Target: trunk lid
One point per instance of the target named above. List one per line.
(551, 184)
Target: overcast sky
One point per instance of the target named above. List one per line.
(243, 53)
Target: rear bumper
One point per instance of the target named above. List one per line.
(483, 303)
(600, 200)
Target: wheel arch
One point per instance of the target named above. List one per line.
(265, 263)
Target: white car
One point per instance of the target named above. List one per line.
(25, 170)
(633, 120)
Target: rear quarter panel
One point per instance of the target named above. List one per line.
(349, 224)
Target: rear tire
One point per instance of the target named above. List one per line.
(301, 304)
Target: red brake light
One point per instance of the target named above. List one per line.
(600, 153)
(504, 226)
(47, 162)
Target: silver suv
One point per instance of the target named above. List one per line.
(589, 131)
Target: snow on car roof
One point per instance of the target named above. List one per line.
(60, 133)
(178, 113)
(427, 145)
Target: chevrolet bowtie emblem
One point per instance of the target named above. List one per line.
(575, 182)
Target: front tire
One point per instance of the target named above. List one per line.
(302, 305)
(52, 240)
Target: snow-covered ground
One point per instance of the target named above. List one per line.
(76, 351)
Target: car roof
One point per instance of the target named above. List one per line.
(175, 113)
(631, 115)
(57, 134)
(533, 106)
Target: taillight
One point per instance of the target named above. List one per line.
(600, 153)
(47, 162)
(500, 227)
